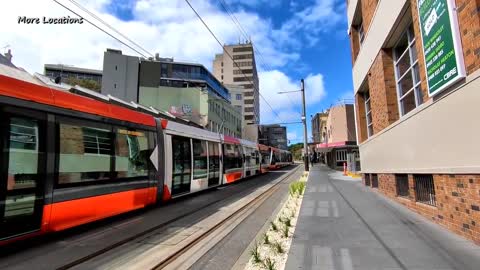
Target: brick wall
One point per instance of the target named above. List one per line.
(383, 93)
(368, 9)
(469, 24)
(354, 44)
(361, 117)
(457, 201)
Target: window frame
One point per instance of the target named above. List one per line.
(361, 33)
(113, 128)
(368, 111)
(414, 65)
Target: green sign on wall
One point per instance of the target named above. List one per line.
(441, 43)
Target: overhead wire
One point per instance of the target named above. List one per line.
(243, 32)
(108, 25)
(228, 54)
(99, 28)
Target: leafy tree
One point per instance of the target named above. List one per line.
(89, 84)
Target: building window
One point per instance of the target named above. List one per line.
(242, 56)
(424, 189)
(242, 49)
(368, 113)
(341, 157)
(367, 179)
(374, 180)
(407, 73)
(239, 96)
(248, 101)
(361, 33)
(401, 181)
(222, 65)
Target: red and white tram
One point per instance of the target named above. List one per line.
(67, 159)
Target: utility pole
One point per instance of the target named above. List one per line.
(304, 120)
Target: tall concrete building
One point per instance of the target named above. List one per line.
(416, 77)
(243, 73)
(273, 135)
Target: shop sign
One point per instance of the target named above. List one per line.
(441, 44)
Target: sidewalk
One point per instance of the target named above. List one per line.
(345, 225)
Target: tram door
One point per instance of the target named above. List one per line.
(214, 164)
(182, 164)
(22, 165)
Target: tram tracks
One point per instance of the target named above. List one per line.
(176, 259)
(193, 242)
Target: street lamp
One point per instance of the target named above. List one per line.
(304, 121)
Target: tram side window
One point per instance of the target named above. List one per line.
(84, 154)
(214, 157)
(23, 153)
(199, 159)
(232, 157)
(132, 153)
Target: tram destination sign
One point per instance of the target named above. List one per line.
(441, 44)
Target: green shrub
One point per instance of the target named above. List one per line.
(287, 222)
(256, 254)
(266, 240)
(285, 231)
(274, 226)
(277, 247)
(269, 264)
(296, 188)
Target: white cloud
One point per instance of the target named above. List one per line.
(170, 28)
(287, 106)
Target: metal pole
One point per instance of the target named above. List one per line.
(304, 120)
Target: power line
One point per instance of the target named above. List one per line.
(99, 28)
(108, 25)
(243, 32)
(236, 64)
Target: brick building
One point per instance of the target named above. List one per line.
(339, 137)
(415, 73)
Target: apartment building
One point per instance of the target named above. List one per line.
(273, 135)
(240, 71)
(415, 74)
(319, 122)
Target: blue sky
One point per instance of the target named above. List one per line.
(297, 39)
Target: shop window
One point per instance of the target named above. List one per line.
(407, 75)
(401, 182)
(424, 189)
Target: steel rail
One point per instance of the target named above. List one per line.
(134, 237)
(257, 201)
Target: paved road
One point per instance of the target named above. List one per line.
(344, 225)
(53, 251)
(228, 251)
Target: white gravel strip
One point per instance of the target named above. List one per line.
(268, 252)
